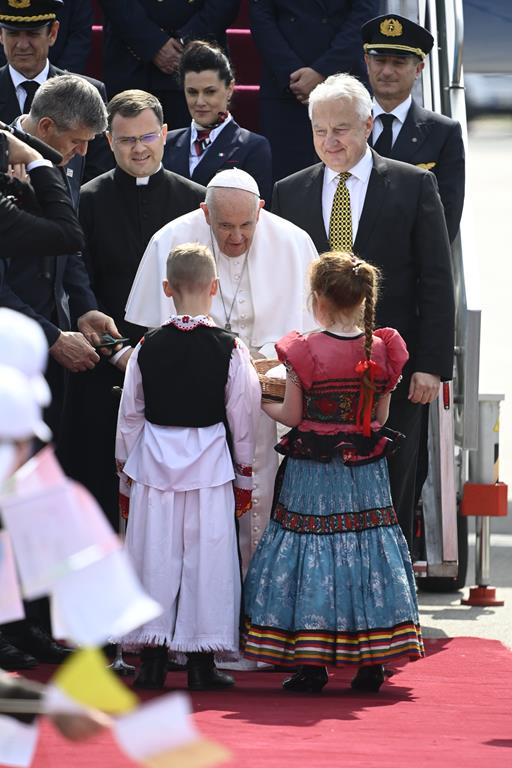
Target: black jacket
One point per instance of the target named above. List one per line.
(99, 158)
(234, 147)
(40, 280)
(47, 222)
(135, 30)
(402, 231)
(434, 142)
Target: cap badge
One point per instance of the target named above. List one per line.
(391, 28)
(19, 3)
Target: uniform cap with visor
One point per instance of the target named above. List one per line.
(393, 35)
(28, 14)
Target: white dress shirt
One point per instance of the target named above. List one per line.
(194, 158)
(400, 114)
(17, 79)
(357, 185)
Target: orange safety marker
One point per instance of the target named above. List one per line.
(483, 500)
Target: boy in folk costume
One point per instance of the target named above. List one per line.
(190, 395)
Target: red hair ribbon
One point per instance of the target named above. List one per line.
(366, 395)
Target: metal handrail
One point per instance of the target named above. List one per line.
(458, 44)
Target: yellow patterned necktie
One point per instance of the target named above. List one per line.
(340, 223)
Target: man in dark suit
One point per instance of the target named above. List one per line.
(415, 135)
(301, 42)
(26, 44)
(395, 220)
(144, 40)
(120, 211)
(54, 289)
(37, 213)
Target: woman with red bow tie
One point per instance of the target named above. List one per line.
(214, 142)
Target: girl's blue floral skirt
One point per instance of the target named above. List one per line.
(331, 581)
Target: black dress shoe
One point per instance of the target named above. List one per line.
(203, 675)
(36, 641)
(307, 679)
(369, 678)
(153, 668)
(11, 658)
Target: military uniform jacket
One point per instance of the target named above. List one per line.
(403, 232)
(434, 142)
(135, 30)
(322, 34)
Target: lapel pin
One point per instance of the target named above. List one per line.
(414, 138)
(69, 171)
(221, 154)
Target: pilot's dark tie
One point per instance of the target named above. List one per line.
(30, 87)
(385, 141)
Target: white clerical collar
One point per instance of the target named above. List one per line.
(17, 78)
(400, 112)
(143, 181)
(361, 170)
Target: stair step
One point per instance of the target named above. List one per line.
(244, 55)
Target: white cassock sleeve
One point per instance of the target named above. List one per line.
(130, 421)
(243, 408)
(147, 304)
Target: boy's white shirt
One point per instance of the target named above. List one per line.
(188, 458)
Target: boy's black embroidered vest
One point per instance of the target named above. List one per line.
(184, 375)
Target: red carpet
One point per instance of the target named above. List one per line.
(453, 708)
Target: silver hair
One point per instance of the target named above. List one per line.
(210, 195)
(342, 86)
(70, 101)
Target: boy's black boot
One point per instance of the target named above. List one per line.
(153, 669)
(203, 675)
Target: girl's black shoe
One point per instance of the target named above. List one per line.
(369, 678)
(307, 680)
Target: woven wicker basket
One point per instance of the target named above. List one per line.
(272, 390)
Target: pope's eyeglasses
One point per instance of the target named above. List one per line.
(131, 141)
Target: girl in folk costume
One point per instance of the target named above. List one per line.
(331, 582)
(188, 385)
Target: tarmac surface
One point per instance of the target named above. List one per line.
(488, 196)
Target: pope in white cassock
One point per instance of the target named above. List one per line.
(262, 263)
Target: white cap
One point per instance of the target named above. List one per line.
(23, 346)
(235, 178)
(20, 412)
